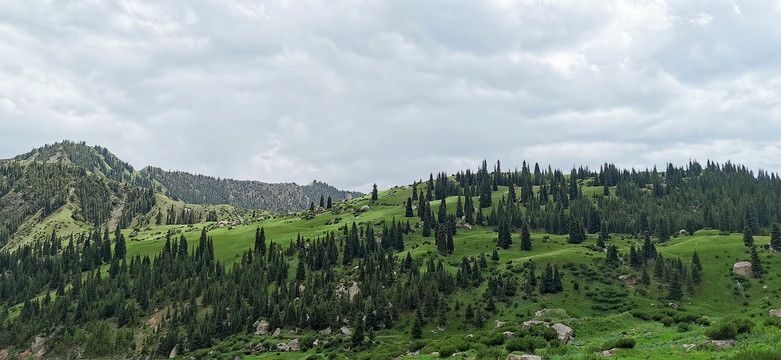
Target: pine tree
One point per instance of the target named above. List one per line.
(504, 239)
(696, 269)
(408, 211)
(612, 256)
(756, 264)
(119, 247)
(374, 192)
(645, 279)
(748, 239)
(459, 208)
(417, 325)
(260, 241)
(441, 240)
(603, 235)
(649, 250)
(526, 239)
(322, 201)
(674, 288)
(329, 203)
(775, 237)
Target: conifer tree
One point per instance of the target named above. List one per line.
(775, 237)
(459, 208)
(260, 241)
(526, 239)
(374, 192)
(417, 325)
(495, 255)
(603, 235)
(504, 239)
(649, 250)
(696, 269)
(329, 204)
(674, 291)
(119, 247)
(748, 239)
(756, 264)
(408, 210)
(322, 201)
(612, 256)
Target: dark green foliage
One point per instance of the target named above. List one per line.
(374, 192)
(577, 233)
(620, 343)
(612, 256)
(417, 326)
(775, 237)
(748, 239)
(758, 355)
(756, 264)
(729, 328)
(504, 238)
(526, 239)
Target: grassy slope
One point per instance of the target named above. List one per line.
(714, 298)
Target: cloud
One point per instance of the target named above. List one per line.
(352, 92)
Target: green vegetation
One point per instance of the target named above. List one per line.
(479, 264)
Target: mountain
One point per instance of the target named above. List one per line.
(190, 188)
(682, 262)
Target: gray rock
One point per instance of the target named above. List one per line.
(327, 331)
(277, 332)
(282, 347)
(173, 353)
(365, 208)
(508, 335)
(629, 280)
(775, 312)
(608, 352)
(565, 333)
(498, 324)
(719, 344)
(530, 323)
(346, 331)
(523, 357)
(261, 327)
(293, 345)
(742, 268)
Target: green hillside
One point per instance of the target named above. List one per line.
(612, 258)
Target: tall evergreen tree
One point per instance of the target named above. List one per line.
(526, 239)
(374, 192)
(748, 239)
(775, 237)
(408, 210)
(504, 239)
(417, 325)
(756, 264)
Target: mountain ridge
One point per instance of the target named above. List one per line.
(185, 186)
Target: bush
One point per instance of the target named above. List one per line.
(773, 321)
(621, 343)
(526, 344)
(723, 331)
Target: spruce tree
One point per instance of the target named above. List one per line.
(322, 201)
(374, 192)
(119, 247)
(417, 325)
(612, 256)
(603, 235)
(504, 239)
(408, 210)
(696, 269)
(674, 291)
(526, 239)
(775, 237)
(329, 204)
(495, 255)
(459, 208)
(756, 264)
(748, 239)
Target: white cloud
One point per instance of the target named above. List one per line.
(353, 92)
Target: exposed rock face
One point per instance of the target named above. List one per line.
(277, 332)
(540, 313)
(293, 345)
(629, 280)
(282, 347)
(774, 312)
(720, 344)
(530, 323)
(261, 327)
(742, 268)
(565, 333)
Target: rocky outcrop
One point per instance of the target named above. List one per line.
(719, 344)
(775, 312)
(345, 331)
(628, 280)
(564, 332)
(530, 323)
(498, 324)
(608, 352)
(261, 327)
(742, 268)
(326, 331)
(523, 357)
(293, 345)
(277, 332)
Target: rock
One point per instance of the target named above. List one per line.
(346, 331)
(689, 346)
(261, 327)
(37, 344)
(293, 345)
(672, 305)
(508, 335)
(327, 331)
(530, 323)
(775, 312)
(316, 342)
(608, 352)
(719, 344)
(365, 208)
(629, 280)
(523, 357)
(565, 333)
(237, 357)
(441, 328)
(742, 268)
(434, 353)
(498, 324)
(173, 353)
(277, 332)
(282, 347)
(540, 313)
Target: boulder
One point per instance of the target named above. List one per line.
(293, 345)
(530, 323)
(628, 280)
(775, 312)
(523, 357)
(277, 332)
(719, 344)
(689, 346)
(498, 324)
(327, 331)
(173, 353)
(608, 352)
(565, 333)
(508, 335)
(365, 208)
(282, 347)
(346, 331)
(261, 327)
(540, 313)
(742, 268)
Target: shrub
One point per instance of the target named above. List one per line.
(773, 321)
(758, 355)
(526, 344)
(723, 331)
(621, 343)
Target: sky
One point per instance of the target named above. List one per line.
(359, 92)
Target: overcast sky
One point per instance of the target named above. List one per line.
(357, 92)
